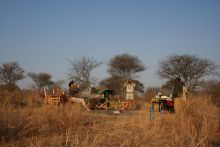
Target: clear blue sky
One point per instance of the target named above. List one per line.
(42, 34)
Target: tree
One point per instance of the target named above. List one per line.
(212, 89)
(190, 68)
(41, 79)
(121, 68)
(113, 83)
(81, 69)
(151, 92)
(125, 66)
(139, 86)
(11, 73)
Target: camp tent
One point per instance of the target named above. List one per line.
(106, 92)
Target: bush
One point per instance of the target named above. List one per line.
(195, 125)
(212, 88)
(150, 93)
(70, 125)
(12, 95)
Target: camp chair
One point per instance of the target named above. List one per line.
(52, 99)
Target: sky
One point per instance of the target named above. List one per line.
(42, 35)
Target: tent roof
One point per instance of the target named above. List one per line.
(102, 88)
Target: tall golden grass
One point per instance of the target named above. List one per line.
(70, 125)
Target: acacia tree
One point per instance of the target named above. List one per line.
(125, 66)
(81, 70)
(114, 83)
(190, 68)
(40, 79)
(11, 73)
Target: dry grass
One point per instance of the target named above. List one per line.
(71, 125)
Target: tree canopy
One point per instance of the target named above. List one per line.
(190, 68)
(11, 73)
(40, 79)
(81, 69)
(125, 66)
(121, 68)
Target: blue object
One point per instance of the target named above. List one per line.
(152, 113)
(151, 109)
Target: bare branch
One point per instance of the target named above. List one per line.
(11, 73)
(81, 69)
(188, 67)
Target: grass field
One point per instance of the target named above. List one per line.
(197, 125)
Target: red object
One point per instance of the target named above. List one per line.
(170, 103)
